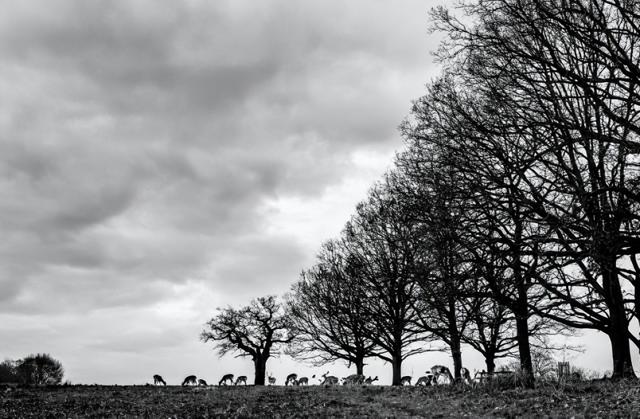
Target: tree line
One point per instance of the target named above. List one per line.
(512, 213)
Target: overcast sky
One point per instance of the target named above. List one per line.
(159, 159)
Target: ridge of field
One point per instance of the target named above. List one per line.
(583, 399)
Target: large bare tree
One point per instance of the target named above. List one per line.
(425, 187)
(382, 252)
(329, 313)
(257, 330)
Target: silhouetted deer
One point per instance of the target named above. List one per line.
(370, 380)
(241, 379)
(272, 380)
(425, 380)
(353, 379)
(201, 382)
(329, 380)
(191, 379)
(225, 378)
(291, 379)
(304, 381)
(157, 379)
(465, 375)
(438, 370)
(406, 380)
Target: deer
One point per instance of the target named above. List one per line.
(291, 379)
(425, 380)
(202, 383)
(157, 379)
(304, 381)
(241, 379)
(406, 380)
(272, 380)
(353, 379)
(438, 370)
(226, 378)
(329, 380)
(370, 380)
(190, 379)
(465, 375)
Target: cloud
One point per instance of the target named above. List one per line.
(172, 157)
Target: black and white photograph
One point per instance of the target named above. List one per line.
(337, 208)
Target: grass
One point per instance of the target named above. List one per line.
(583, 399)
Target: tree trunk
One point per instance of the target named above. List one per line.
(521, 311)
(524, 348)
(456, 354)
(359, 365)
(260, 365)
(622, 366)
(490, 361)
(396, 363)
(618, 324)
(636, 302)
(454, 336)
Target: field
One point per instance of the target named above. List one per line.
(579, 400)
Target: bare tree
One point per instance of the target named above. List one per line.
(428, 196)
(560, 77)
(490, 216)
(328, 312)
(382, 250)
(257, 330)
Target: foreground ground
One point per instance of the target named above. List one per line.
(579, 400)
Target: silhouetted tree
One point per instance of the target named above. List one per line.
(427, 194)
(559, 79)
(257, 330)
(329, 315)
(381, 247)
(40, 369)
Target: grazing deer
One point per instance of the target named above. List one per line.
(465, 375)
(272, 380)
(291, 379)
(190, 379)
(353, 379)
(304, 381)
(370, 380)
(349, 379)
(425, 380)
(201, 382)
(438, 370)
(406, 380)
(329, 380)
(481, 376)
(157, 379)
(241, 379)
(226, 378)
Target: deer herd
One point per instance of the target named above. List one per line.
(438, 374)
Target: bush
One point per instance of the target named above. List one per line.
(8, 372)
(40, 369)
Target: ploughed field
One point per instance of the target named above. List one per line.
(585, 399)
